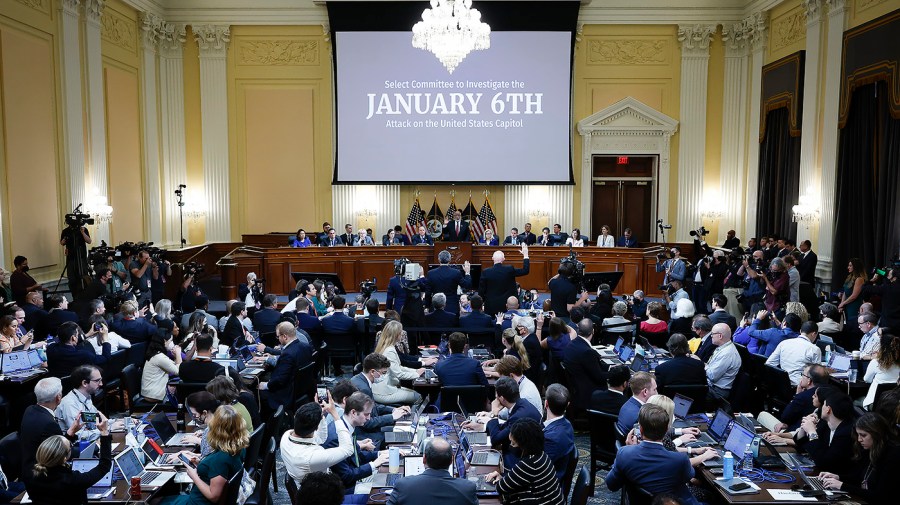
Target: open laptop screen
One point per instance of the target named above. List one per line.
(86, 465)
(719, 424)
(15, 361)
(129, 464)
(840, 362)
(738, 440)
(682, 405)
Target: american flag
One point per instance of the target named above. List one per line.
(469, 216)
(416, 218)
(452, 208)
(486, 219)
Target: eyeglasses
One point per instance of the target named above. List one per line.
(98, 381)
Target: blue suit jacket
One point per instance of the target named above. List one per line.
(396, 295)
(653, 468)
(445, 279)
(477, 321)
(265, 320)
(381, 414)
(500, 434)
(348, 470)
(338, 322)
(433, 486)
(442, 319)
(705, 351)
(460, 370)
(34, 316)
(135, 330)
(281, 382)
(559, 442)
(63, 358)
(770, 338)
(416, 239)
(308, 321)
(628, 414)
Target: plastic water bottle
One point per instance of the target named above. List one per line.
(827, 354)
(728, 466)
(747, 462)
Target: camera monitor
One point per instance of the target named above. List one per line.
(592, 281)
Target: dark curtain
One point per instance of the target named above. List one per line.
(779, 177)
(868, 182)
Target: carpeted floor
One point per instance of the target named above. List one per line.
(582, 441)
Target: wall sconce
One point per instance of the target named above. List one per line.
(99, 207)
(194, 212)
(807, 211)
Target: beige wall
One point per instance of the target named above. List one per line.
(194, 230)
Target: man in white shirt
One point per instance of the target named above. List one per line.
(793, 354)
(88, 381)
(246, 322)
(724, 364)
(871, 341)
(300, 448)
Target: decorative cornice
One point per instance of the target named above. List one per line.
(151, 28)
(737, 37)
(695, 39)
(788, 29)
(813, 10)
(278, 52)
(93, 9)
(839, 6)
(119, 30)
(759, 36)
(171, 39)
(628, 51)
(67, 6)
(213, 39)
(34, 4)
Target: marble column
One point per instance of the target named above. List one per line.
(213, 41)
(694, 41)
(758, 41)
(96, 112)
(150, 27)
(736, 37)
(810, 120)
(72, 111)
(833, 47)
(172, 140)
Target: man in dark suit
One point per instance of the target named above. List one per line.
(702, 327)
(610, 400)
(422, 237)
(68, 352)
(650, 465)
(477, 319)
(266, 318)
(814, 376)
(719, 314)
(507, 396)
(34, 310)
(337, 321)
(305, 320)
(375, 366)
(445, 279)
(643, 386)
(439, 317)
(528, 237)
(559, 436)
(513, 238)
(456, 230)
(362, 463)
(731, 241)
(279, 390)
(323, 235)
(201, 368)
(459, 369)
(829, 439)
(59, 313)
(682, 369)
(808, 262)
(349, 238)
(235, 334)
(499, 281)
(372, 317)
(584, 364)
(398, 232)
(435, 484)
(331, 240)
(39, 423)
(396, 295)
(558, 237)
(131, 325)
(524, 327)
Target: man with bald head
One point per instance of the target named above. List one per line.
(435, 484)
(499, 281)
(725, 363)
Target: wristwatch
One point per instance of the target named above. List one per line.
(813, 436)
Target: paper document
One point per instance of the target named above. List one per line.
(788, 495)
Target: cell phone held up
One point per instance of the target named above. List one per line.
(321, 393)
(89, 417)
(187, 461)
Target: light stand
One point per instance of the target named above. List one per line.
(180, 195)
(662, 229)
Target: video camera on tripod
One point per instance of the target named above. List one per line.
(576, 267)
(77, 219)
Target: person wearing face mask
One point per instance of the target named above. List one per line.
(68, 353)
(79, 400)
(162, 359)
(20, 283)
(201, 405)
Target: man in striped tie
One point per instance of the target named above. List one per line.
(513, 238)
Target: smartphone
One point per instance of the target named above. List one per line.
(322, 393)
(740, 486)
(187, 462)
(89, 417)
(98, 327)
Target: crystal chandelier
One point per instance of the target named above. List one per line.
(451, 29)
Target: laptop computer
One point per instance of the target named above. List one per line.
(736, 443)
(475, 437)
(718, 429)
(160, 422)
(100, 489)
(489, 457)
(482, 487)
(130, 465)
(624, 355)
(611, 352)
(18, 364)
(639, 364)
(155, 454)
(840, 362)
(236, 363)
(405, 437)
(682, 407)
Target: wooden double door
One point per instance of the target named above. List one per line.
(624, 193)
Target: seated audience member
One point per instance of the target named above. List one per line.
(360, 463)
(459, 369)
(476, 319)
(619, 310)
(301, 448)
(226, 393)
(701, 344)
(533, 478)
(719, 314)
(654, 322)
(676, 439)
(224, 319)
(792, 438)
(829, 438)
(161, 360)
(877, 456)
(724, 364)
(68, 353)
(742, 335)
(831, 319)
(39, 422)
(294, 355)
(374, 368)
(435, 484)
(88, 382)
(885, 368)
(512, 346)
(559, 436)
(370, 319)
(99, 331)
(201, 304)
(196, 326)
(682, 314)
(584, 364)
(507, 396)
(266, 318)
(200, 368)
(438, 317)
(35, 315)
(556, 337)
(643, 386)
(9, 327)
(131, 325)
(868, 344)
(321, 488)
(200, 405)
(801, 405)
(300, 239)
(53, 480)
(611, 399)
(228, 438)
(769, 339)
(337, 321)
(489, 238)
(510, 366)
(793, 354)
(683, 369)
(524, 327)
(21, 284)
(388, 391)
(649, 465)
(422, 237)
(235, 332)
(57, 313)
(889, 406)
(306, 321)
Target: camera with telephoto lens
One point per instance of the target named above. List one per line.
(700, 232)
(195, 267)
(367, 287)
(664, 255)
(577, 277)
(100, 256)
(77, 219)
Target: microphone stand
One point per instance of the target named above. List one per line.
(180, 194)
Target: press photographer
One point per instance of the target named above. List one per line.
(565, 287)
(754, 287)
(889, 289)
(672, 264)
(75, 238)
(777, 283)
(189, 289)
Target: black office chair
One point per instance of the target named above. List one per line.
(251, 459)
(777, 384)
(656, 338)
(696, 392)
(633, 494)
(112, 373)
(131, 383)
(262, 496)
(486, 339)
(11, 455)
(343, 346)
(291, 487)
(305, 380)
(136, 354)
(233, 488)
(880, 391)
(604, 434)
(566, 482)
(472, 398)
(582, 488)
